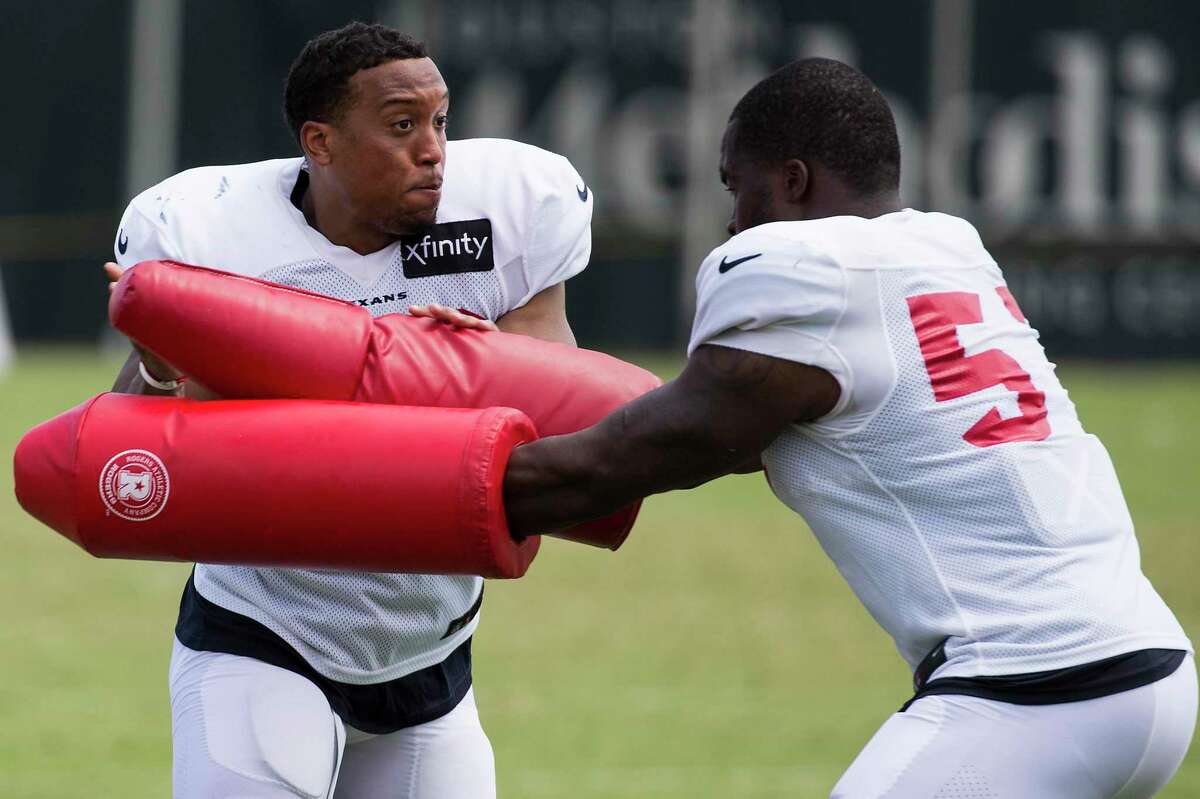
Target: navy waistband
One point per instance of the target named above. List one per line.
(377, 708)
(1072, 684)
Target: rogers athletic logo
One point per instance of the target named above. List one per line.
(134, 485)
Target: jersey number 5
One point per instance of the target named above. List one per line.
(954, 374)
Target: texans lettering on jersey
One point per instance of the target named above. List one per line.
(952, 484)
(511, 223)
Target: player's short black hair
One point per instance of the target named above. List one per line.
(827, 111)
(318, 84)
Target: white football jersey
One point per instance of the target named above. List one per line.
(952, 484)
(513, 220)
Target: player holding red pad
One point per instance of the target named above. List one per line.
(299, 682)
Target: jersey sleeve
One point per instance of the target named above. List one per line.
(560, 235)
(143, 238)
(774, 298)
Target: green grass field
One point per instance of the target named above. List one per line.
(717, 655)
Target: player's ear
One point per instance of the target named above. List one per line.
(795, 180)
(315, 140)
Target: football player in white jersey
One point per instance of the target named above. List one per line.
(872, 357)
(285, 682)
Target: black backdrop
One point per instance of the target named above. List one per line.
(1080, 162)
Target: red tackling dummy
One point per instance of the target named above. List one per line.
(243, 337)
(315, 484)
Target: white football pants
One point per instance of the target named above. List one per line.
(244, 729)
(1123, 746)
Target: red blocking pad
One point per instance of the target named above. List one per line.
(249, 338)
(298, 483)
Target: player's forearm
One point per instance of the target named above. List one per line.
(652, 445)
(129, 380)
(544, 491)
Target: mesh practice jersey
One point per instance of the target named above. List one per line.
(513, 220)
(952, 483)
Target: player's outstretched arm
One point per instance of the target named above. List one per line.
(724, 409)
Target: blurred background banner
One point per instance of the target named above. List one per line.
(1068, 132)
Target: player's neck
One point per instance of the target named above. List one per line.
(325, 212)
(852, 204)
(879, 205)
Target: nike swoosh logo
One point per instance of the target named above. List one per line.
(122, 242)
(583, 193)
(726, 264)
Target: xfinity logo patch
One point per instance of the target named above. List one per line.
(449, 248)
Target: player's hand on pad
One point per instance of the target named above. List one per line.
(458, 318)
(112, 271)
